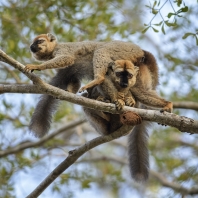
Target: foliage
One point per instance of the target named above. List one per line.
(103, 169)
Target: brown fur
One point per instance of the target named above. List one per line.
(112, 91)
(130, 118)
(79, 60)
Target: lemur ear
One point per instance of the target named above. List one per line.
(136, 69)
(51, 37)
(111, 65)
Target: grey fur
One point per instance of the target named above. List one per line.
(90, 60)
(76, 60)
(138, 153)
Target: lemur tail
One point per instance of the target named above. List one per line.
(138, 152)
(47, 105)
(42, 116)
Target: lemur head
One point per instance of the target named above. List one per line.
(124, 73)
(43, 46)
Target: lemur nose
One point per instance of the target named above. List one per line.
(33, 48)
(124, 85)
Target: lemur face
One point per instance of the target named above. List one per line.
(38, 45)
(124, 73)
(43, 45)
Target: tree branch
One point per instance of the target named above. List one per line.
(9, 60)
(186, 105)
(74, 155)
(46, 138)
(182, 190)
(182, 123)
(19, 88)
(33, 89)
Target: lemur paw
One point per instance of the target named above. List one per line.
(31, 67)
(168, 108)
(119, 104)
(82, 89)
(129, 101)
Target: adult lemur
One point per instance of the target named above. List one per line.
(91, 60)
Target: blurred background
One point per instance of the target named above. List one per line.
(168, 29)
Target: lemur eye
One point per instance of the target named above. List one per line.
(40, 41)
(118, 74)
(130, 75)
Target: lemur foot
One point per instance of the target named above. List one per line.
(168, 108)
(82, 89)
(119, 104)
(129, 101)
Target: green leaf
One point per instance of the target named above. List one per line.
(154, 4)
(163, 29)
(170, 14)
(179, 2)
(158, 24)
(170, 24)
(154, 11)
(143, 31)
(155, 30)
(187, 34)
(185, 9)
(86, 183)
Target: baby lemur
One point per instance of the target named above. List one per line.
(115, 88)
(120, 77)
(90, 60)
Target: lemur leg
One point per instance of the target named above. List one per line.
(151, 98)
(101, 60)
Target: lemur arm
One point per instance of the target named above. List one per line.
(57, 62)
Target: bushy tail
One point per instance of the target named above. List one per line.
(138, 152)
(42, 116)
(47, 105)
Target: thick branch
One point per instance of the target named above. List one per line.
(74, 155)
(19, 88)
(42, 140)
(25, 88)
(182, 123)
